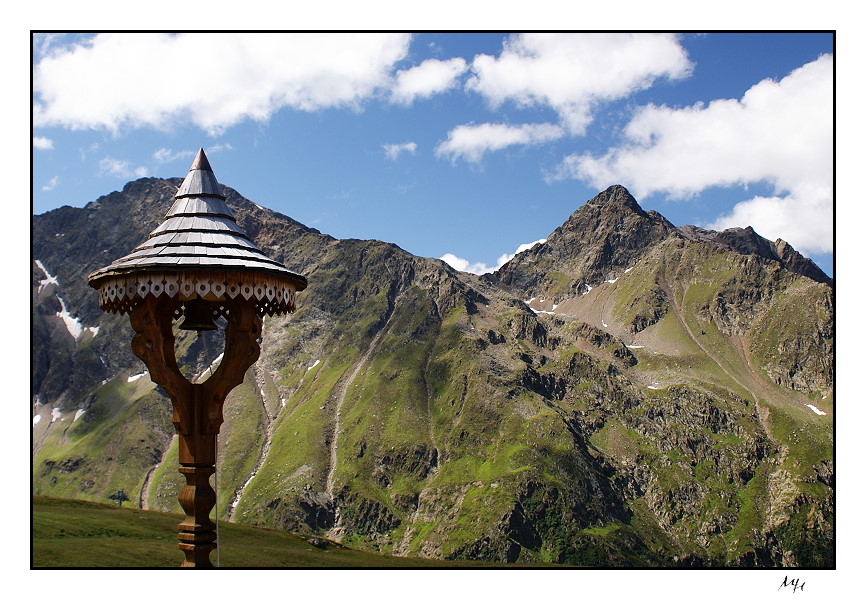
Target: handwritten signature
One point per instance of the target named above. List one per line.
(795, 583)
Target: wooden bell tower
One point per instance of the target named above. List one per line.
(197, 265)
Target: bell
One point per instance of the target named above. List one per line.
(198, 316)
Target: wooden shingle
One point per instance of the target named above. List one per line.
(199, 230)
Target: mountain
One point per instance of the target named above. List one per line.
(627, 393)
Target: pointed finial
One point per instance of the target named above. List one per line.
(200, 179)
(200, 162)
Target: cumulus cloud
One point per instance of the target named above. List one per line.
(48, 43)
(430, 77)
(471, 142)
(212, 80)
(569, 73)
(42, 143)
(461, 264)
(504, 258)
(51, 184)
(122, 169)
(803, 218)
(572, 73)
(780, 132)
(392, 151)
(480, 268)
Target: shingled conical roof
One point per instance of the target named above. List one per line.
(199, 232)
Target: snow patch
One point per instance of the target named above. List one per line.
(215, 362)
(283, 402)
(611, 280)
(78, 413)
(314, 364)
(210, 369)
(236, 501)
(132, 378)
(49, 278)
(36, 419)
(634, 347)
(603, 324)
(55, 414)
(816, 410)
(530, 300)
(654, 386)
(73, 325)
(588, 288)
(629, 269)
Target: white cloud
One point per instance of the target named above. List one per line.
(780, 132)
(219, 148)
(392, 151)
(42, 143)
(461, 264)
(479, 268)
(430, 77)
(803, 218)
(164, 155)
(114, 81)
(571, 73)
(83, 152)
(122, 169)
(504, 258)
(51, 184)
(470, 142)
(50, 43)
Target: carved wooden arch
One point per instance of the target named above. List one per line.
(197, 407)
(154, 341)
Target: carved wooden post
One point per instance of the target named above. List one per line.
(197, 408)
(197, 264)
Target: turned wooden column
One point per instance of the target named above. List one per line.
(197, 456)
(197, 408)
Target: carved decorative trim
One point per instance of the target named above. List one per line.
(153, 343)
(271, 295)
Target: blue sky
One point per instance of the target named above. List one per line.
(458, 145)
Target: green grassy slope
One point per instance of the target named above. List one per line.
(75, 533)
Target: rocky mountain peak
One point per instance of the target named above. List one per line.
(603, 237)
(615, 198)
(614, 214)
